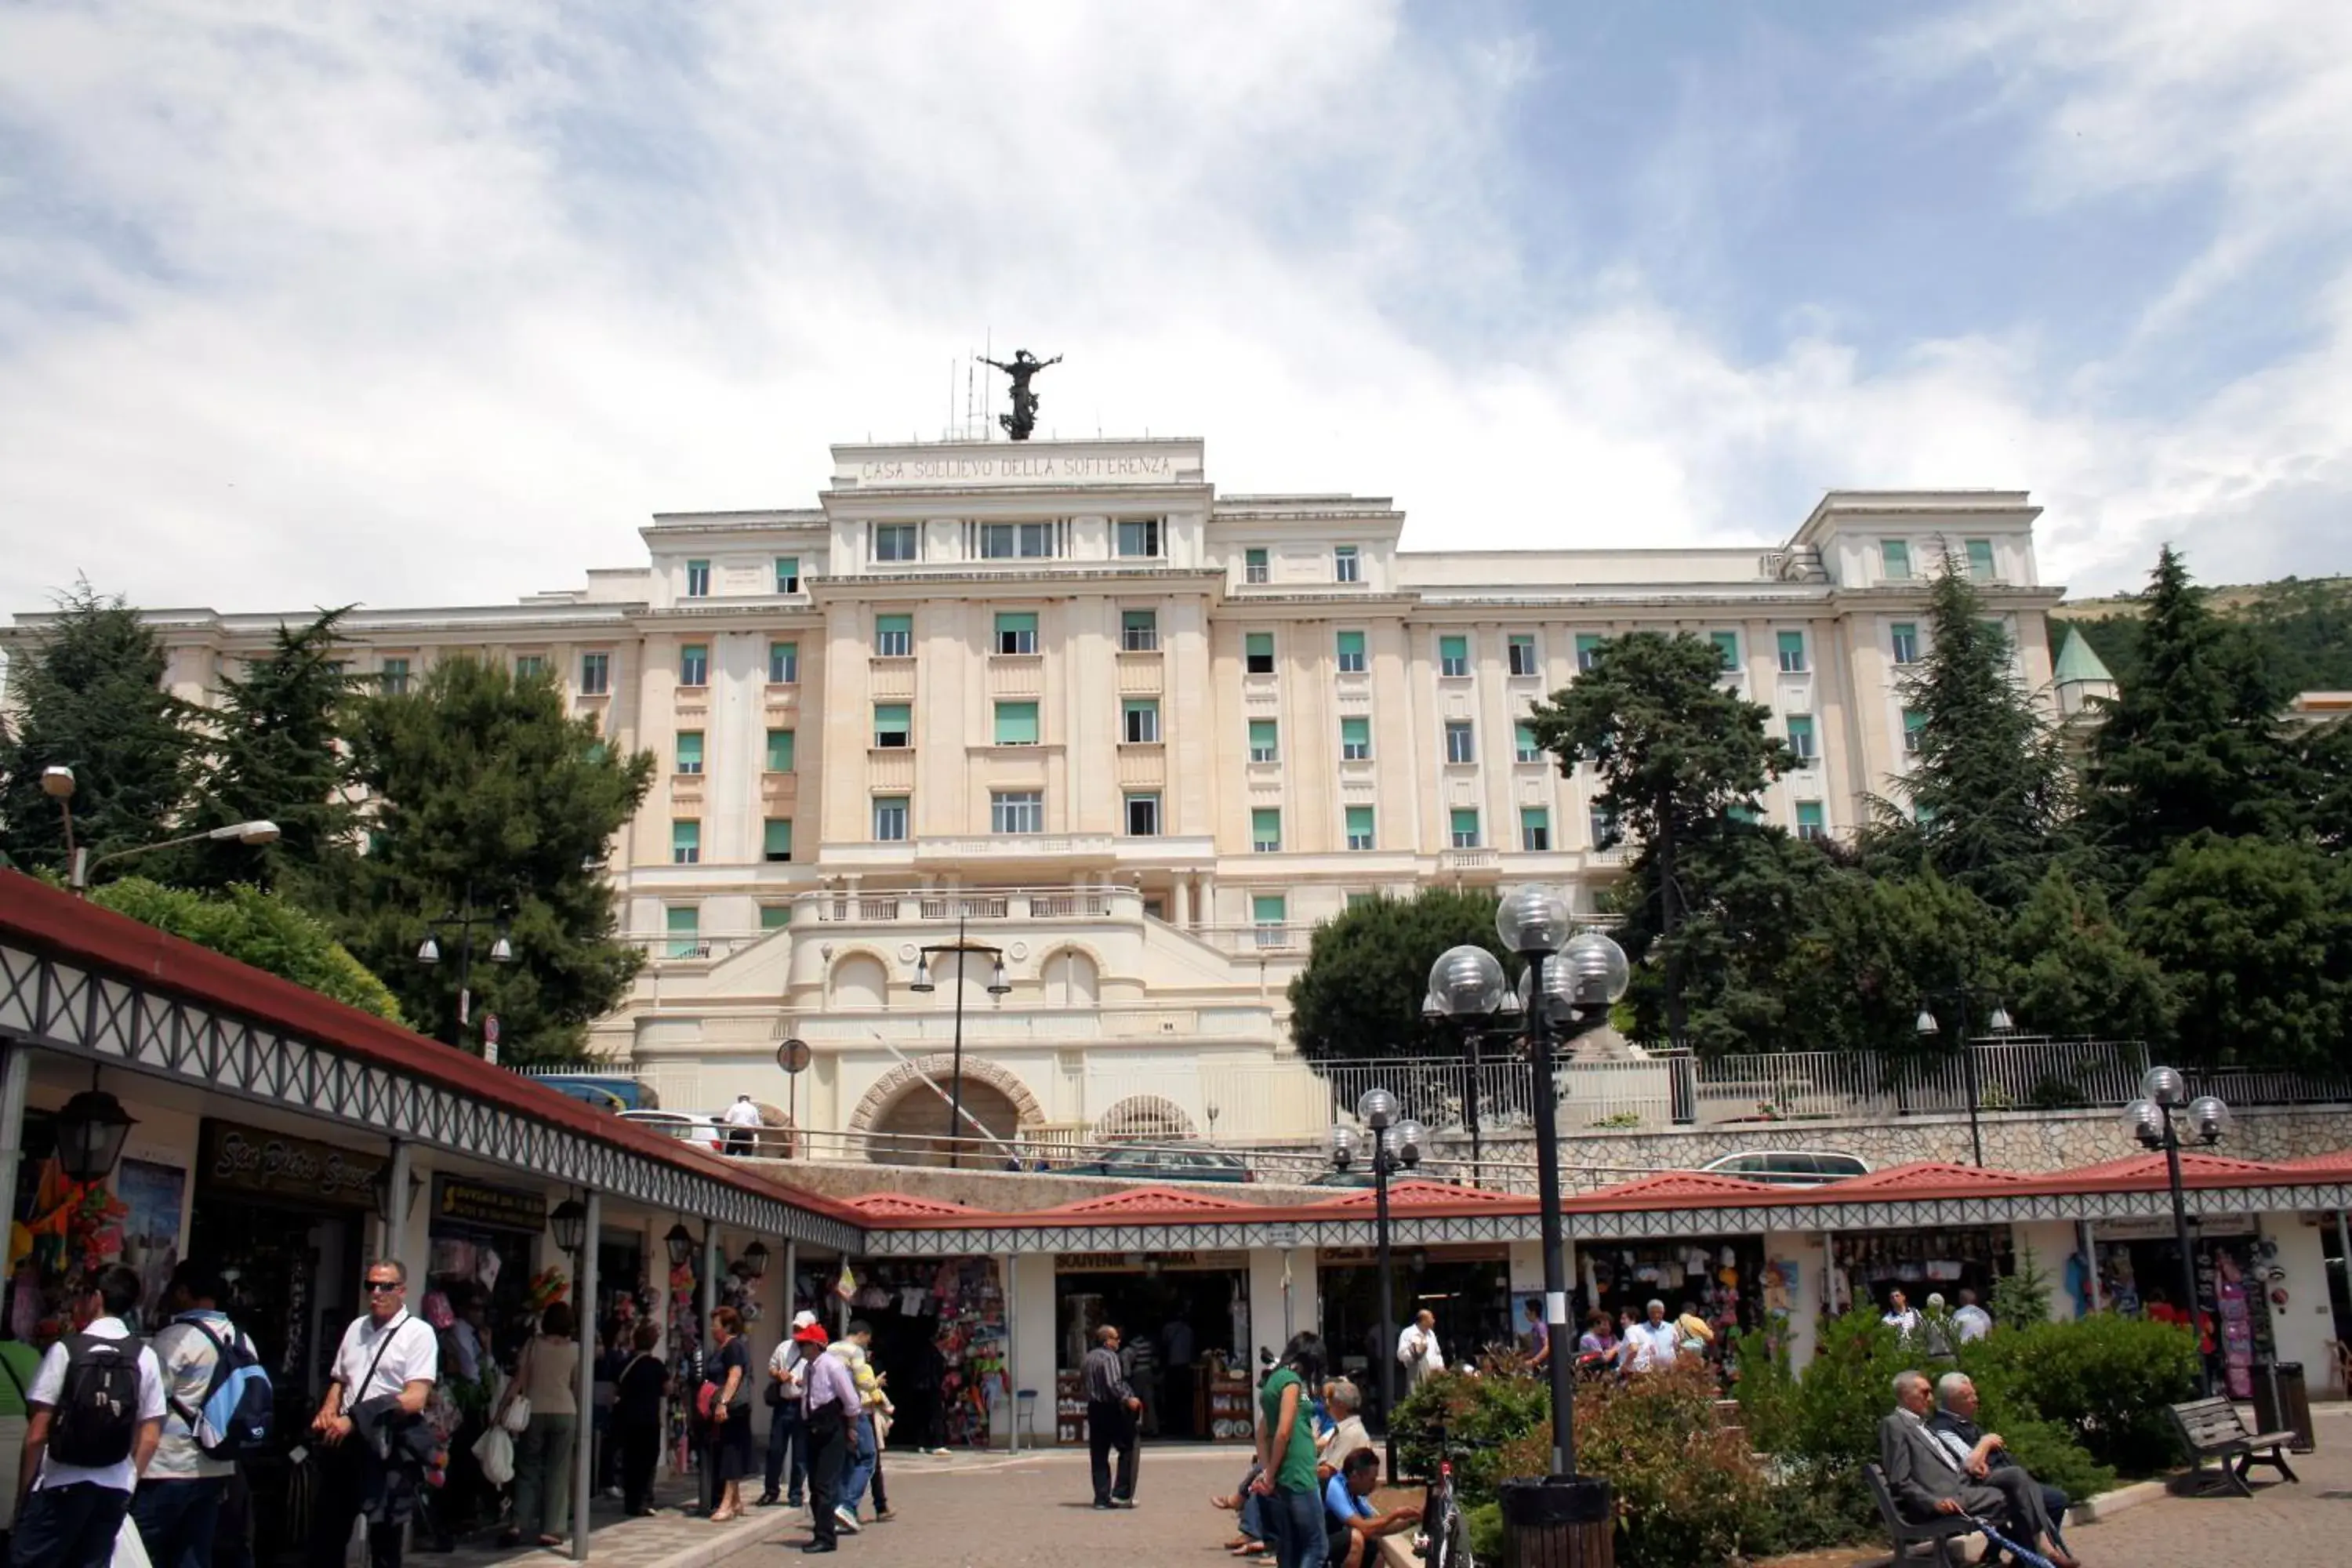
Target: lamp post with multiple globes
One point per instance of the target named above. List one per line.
(2155, 1120)
(1396, 1144)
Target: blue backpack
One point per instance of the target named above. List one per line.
(232, 1422)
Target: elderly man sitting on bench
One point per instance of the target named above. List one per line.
(1981, 1452)
(1927, 1479)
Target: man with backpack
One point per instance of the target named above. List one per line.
(97, 1408)
(217, 1405)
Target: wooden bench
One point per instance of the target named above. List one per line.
(2211, 1429)
(1939, 1532)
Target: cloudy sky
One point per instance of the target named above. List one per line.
(434, 301)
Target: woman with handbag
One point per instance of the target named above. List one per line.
(543, 1409)
(728, 1410)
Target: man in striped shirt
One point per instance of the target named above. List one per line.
(829, 1406)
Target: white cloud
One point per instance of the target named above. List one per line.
(436, 303)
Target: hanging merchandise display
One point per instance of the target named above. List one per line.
(938, 1333)
(1941, 1260)
(1719, 1278)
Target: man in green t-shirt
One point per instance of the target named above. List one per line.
(1293, 1511)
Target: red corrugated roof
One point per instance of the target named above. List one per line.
(1419, 1192)
(2196, 1169)
(2339, 1163)
(904, 1206)
(42, 915)
(1151, 1200)
(1677, 1189)
(1922, 1177)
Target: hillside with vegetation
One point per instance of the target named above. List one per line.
(2303, 626)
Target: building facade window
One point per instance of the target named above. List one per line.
(1143, 817)
(697, 579)
(1602, 826)
(1905, 637)
(1801, 738)
(392, 679)
(1140, 719)
(889, 818)
(1139, 537)
(1810, 824)
(529, 667)
(1792, 652)
(783, 663)
(1016, 541)
(1588, 650)
(1270, 913)
(1464, 823)
(595, 674)
(1460, 741)
(788, 573)
(1254, 568)
(1016, 811)
(1264, 741)
(894, 724)
(1355, 739)
(1016, 723)
(1521, 650)
(894, 636)
(1523, 742)
(780, 750)
(1726, 647)
(1979, 558)
(776, 838)
(1345, 567)
(1016, 631)
(1257, 653)
(1265, 830)
(683, 923)
(775, 916)
(1139, 631)
(1351, 653)
(1895, 560)
(694, 664)
(1535, 828)
(685, 841)
(689, 750)
(1997, 634)
(1914, 723)
(1453, 655)
(897, 541)
(1359, 827)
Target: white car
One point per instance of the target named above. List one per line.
(1790, 1167)
(707, 1132)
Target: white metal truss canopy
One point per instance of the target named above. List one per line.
(60, 1004)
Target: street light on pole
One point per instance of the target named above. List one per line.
(1926, 1028)
(2154, 1119)
(1572, 980)
(997, 986)
(464, 918)
(1395, 1144)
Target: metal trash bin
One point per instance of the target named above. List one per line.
(2283, 1403)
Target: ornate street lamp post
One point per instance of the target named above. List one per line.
(997, 986)
(1396, 1144)
(1572, 979)
(1998, 1023)
(464, 918)
(2155, 1120)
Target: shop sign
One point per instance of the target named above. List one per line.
(238, 1159)
(2154, 1227)
(1111, 1262)
(506, 1208)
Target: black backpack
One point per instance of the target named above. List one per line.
(97, 1405)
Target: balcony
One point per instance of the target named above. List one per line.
(1452, 862)
(1087, 848)
(1062, 904)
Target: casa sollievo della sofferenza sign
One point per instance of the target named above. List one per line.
(1015, 468)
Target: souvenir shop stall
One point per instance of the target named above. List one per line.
(1184, 1322)
(939, 1332)
(1722, 1277)
(1865, 1271)
(2237, 1272)
(1466, 1285)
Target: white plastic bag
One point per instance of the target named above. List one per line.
(495, 1449)
(130, 1552)
(516, 1415)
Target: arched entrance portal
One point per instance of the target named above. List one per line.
(908, 1119)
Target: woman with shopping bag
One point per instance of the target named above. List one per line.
(542, 1411)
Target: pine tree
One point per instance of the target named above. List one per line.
(2192, 743)
(1990, 789)
(88, 694)
(274, 755)
(1359, 993)
(2077, 973)
(1676, 753)
(480, 780)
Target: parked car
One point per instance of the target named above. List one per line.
(707, 1131)
(1164, 1165)
(1790, 1167)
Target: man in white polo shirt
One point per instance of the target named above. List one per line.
(384, 1371)
(77, 1497)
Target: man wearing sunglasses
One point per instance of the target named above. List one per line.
(385, 1371)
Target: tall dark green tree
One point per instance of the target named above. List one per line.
(2077, 971)
(2192, 742)
(1989, 792)
(87, 693)
(1874, 949)
(1675, 753)
(479, 780)
(272, 754)
(1359, 993)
